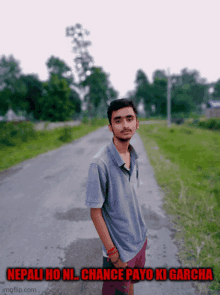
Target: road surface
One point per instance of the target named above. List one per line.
(45, 224)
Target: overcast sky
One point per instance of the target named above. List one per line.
(125, 35)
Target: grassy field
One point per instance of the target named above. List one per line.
(186, 161)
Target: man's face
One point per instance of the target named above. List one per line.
(124, 120)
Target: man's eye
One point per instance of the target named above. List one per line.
(128, 119)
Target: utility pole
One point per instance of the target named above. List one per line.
(168, 100)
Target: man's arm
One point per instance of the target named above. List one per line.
(100, 225)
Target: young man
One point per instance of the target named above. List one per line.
(112, 196)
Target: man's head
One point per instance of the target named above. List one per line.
(122, 115)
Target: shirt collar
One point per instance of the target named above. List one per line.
(114, 152)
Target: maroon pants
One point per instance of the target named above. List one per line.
(112, 287)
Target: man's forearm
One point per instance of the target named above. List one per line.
(100, 225)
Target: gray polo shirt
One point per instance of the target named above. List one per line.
(113, 187)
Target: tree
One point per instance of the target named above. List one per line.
(55, 104)
(10, 71)
(33, 92)
(101, 110)
(5, 99)
(176, 81)
(159, 89)
(98, 83)
(190, 83)
(198, 91)
(60, 68)
(76, 101)
(189, 77)
(130, 94)
(186, 79)
(159, 74)
(216, 92)
(100, 89)
(182, 101)
(18, 97)
(197, 86)
(112, 94)
(183, 89)
(83, 60)
(143, 90)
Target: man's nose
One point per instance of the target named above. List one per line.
(125, 124)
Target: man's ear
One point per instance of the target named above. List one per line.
(137, 126)
(110, 128)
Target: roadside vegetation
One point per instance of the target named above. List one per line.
(20, 142)
(186, 161)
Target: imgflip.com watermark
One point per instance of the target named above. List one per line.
(18, 290)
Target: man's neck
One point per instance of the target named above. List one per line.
(121, 147)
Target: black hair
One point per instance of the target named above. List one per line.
(119, 104)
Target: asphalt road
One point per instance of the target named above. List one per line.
(45, 224)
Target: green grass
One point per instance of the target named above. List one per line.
(46, 140)
(187, 167)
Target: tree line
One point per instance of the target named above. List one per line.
(188, 92)
(60, 97)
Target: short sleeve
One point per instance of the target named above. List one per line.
(96, 187)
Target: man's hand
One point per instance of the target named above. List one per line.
(120, 264)
(116, 261)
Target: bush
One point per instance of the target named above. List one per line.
(177, 120)
(94, 121)
(14, 133)
(202, 124)
(66, 134)
(85, 120)
(194, 115)
(211, 124)
(102, 122)
(178, 115)
(196, 122)
(2, 124)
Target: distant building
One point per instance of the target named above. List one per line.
(213, 109)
